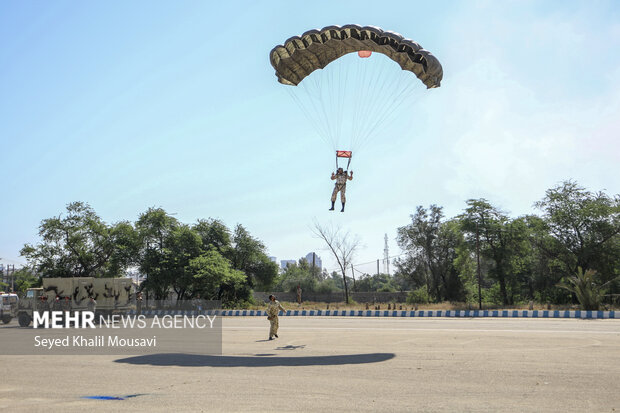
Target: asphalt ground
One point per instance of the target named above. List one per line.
(342, 364)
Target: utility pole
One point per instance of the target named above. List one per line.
(9, 276)
(386, 256)
(353, 274)
(478, 265)
(377, 267)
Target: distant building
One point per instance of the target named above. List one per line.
(136, 276)
(273, 259)
(285, 263)
(317, 260)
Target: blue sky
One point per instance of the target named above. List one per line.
(128, 105)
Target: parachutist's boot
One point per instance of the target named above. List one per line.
(342, 210)
(332, 208)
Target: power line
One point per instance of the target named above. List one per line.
(369, 262)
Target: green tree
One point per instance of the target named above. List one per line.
(80, 244)
(264, 273)
(248, 254)
(584, 228)
(377, 282)
(431, 246)
(25, 278)
(156, 228)
(182, 246)
(297, 274)
(501, 241)
(214, 233)
(215, 279)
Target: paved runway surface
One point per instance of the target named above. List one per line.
(343, 364)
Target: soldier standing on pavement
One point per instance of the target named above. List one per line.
(273, 308)
(139, 304)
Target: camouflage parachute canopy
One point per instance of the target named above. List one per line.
(301, 55)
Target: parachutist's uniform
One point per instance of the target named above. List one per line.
(273, 307)
(341, 186)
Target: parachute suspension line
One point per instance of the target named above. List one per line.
(336, 79)
(360, 100)
(312, 114)
(333, 139)
(334, 110)
(389, 110)
(341, 104)
(368, 97)
(393, 97)
(375, 88)
(315, 109)
(385, 101)
(333, 84)
(379, 95)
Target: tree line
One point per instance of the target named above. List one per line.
(205, 260)
(568, 252)
(485, 255)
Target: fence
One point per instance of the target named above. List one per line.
(360, 297)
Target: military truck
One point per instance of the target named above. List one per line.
(113, 295)
(8, 306)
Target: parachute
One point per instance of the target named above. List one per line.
(315, 49)
(360, 87)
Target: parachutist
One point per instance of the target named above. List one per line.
(341, 177)
(364, 84)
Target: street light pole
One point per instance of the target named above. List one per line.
(478, 268)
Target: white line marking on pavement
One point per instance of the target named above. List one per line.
(430, 329)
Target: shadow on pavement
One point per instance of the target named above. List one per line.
(195, 360)
(291, 347)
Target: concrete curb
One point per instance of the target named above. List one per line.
(582, 314)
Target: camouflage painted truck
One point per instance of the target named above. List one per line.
(113, 295)
(8, 306)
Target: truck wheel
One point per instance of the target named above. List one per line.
(7, 319)
(24, 320)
